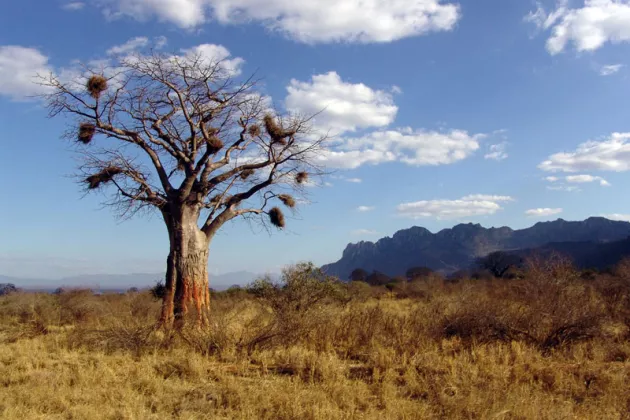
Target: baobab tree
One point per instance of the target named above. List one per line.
(180, 135)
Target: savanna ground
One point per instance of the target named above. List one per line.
(552, 345)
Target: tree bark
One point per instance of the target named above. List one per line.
(187, 296)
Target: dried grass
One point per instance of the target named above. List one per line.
(312, 349)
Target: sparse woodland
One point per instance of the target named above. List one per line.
(550, 343)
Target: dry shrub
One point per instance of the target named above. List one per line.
(550, 308)
(360, 291)
(297, 305)
(126, 336)
(78, 306)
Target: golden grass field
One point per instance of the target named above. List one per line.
(552, 345)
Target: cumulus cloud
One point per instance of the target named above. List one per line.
(364, 209)
(576, 179)
(612, 154)
(212, 53)
(484, 197)
(160, 42)
(130, 46)
(19, 67)
(465, 207)
(73, 6)
(356, 21)
(497, 152)
(587, 27)
(565, 188)
(543, 212)
(415, 148)
(582, 179)
(340, 106)
(354, 180)
(610, 69)
(617, 216)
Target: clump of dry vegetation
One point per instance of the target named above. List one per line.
(548, 344)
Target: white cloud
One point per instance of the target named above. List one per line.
(612, 154)
(617, 216)
(415, 148)
(484, 197)
(610, 69)
(364, 232)
(19, 68)
(183, 13)
(364, 209)
(342, 106)
(588, 27)
(466, 207)
(565, 188)
(212, 53)
(357, 21)
(354, 180)
(160, 42)
(130, 46)
(582, 179)
(543, 212)
(577, 179)
(73, 6)
(497, 151)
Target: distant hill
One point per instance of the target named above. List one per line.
(456, 248)
(123, 281)
(585, 254)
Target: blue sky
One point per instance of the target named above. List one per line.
(492, 112)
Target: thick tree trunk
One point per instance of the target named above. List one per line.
(187, 295)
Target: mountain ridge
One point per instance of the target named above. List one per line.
(456, 248)
(122, 281)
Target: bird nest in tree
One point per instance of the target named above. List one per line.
(215, 145)
(86, 132)
(301, 177)
(247, 173)
(102, 177)
(277, 217)
(96, 85)
(287, 200)
(254, 130)
(276, 132)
